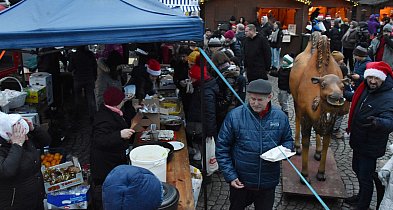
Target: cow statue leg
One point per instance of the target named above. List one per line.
(321, 170)
(305, 149)
(318, 149)
(298, 149)
(306, 133)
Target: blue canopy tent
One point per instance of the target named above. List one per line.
(48, 23)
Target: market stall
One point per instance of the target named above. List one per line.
(46, 23)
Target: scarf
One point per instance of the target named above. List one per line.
(115, 109)
(275, 35)
(346, 35)
(355, 100)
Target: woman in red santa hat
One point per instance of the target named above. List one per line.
(146, 82)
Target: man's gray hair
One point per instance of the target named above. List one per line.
(251, 27)
(240, 27)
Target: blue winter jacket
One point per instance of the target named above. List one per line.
(131, 187)
(359, 68)
(243, 138)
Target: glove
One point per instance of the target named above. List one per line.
(371, 122)
(384, 177)
(183, 83)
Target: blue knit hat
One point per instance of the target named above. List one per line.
(131, 187)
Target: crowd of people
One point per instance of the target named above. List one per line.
(244, 54)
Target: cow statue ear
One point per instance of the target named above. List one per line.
(315, 80)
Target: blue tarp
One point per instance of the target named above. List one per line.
(50, 23)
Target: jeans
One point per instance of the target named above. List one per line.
(241, 198)
(364, 167)
(88, 87)
(283, 100)
(276, 57)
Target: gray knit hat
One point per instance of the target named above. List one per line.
(388, 28)
(360, 51)
(260, 86)
(214, 42)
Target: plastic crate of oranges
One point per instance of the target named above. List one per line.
(52, 157)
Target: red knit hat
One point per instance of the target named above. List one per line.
(229, 34)
(153, 67)
(113, 96)
(378, 69)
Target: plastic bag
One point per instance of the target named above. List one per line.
(196, 179)
(211, 161)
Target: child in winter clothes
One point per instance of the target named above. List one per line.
(283, 82)
(339, 58)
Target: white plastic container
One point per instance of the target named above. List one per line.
(152, 158)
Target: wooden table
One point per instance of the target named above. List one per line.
(178, 173)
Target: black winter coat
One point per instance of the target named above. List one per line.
(257, 57)
(21, 183)
(372, 141)
(83, 66)
(108, 149)
(143, 85)
(283, 78)
(210, 97)
(278, 42)
(335, 39)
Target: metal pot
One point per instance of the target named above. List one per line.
(170, 197)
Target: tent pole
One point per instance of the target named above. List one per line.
(202, 65)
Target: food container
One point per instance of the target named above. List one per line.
(173, 126)
(62, 176)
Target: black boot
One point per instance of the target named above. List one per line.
(353, 200)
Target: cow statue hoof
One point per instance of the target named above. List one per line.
(317, 156)
(298, 150)
(306, 178)
(321, 176)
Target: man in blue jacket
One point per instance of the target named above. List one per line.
(370, 123)
(247, 132)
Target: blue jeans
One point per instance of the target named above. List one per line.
(364, 167)
(276, 57)
(241, 198)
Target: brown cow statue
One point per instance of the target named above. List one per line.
(317, 87)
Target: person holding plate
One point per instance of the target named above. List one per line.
(247, 132)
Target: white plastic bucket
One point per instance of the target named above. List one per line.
(151, 157)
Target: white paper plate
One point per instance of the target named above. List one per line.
(177, 145)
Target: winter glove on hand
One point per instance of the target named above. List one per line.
(183, 83)
(371, 122)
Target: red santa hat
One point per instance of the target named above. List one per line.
(378, 69)
(320, 17)
(153, 67)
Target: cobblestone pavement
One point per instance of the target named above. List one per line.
(77, 142)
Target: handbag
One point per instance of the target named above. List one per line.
(194, 128)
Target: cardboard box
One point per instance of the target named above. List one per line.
(43, 79)
(33, 117)
(147, 120)
(148, 117)
(71, 198)
(35, 94)
(53, 187)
